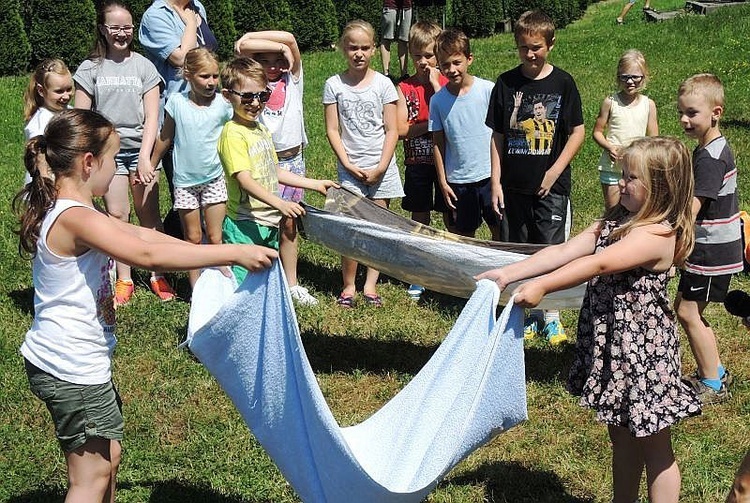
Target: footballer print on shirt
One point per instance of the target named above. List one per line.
(533, 123)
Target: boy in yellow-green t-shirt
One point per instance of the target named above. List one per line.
(254, 208)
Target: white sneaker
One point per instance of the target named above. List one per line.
(302, 296)
(415, 291)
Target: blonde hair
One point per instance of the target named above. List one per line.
(197, 59)
(666, 172)
(633, 57)
(240, 69)
(357, 24)
(32, 100)
(707, 85)
(535, 22)
(69, 134)
(424, 34)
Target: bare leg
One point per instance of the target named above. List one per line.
(626, 8)
(662, 473)
(191, 229)
(627, 464)
(288, 249)
(402, 60)
(349, 274)
(91, 471)
(700, 335)
(146, 205)
(385, 55)
(371, 279)
(117, 201)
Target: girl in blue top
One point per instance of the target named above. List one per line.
(68, 349)
(193, 121)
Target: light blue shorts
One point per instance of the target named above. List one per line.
(126, 161)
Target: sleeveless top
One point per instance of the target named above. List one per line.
(626, 123)
(73, 333)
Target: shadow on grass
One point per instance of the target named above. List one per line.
(738, 123)
(166, 491)
(329, 353)
(508, 481)
(23, 300)
(545, 364)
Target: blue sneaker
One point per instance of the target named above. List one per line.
(554, 332)
(415, 291)
(530, 328)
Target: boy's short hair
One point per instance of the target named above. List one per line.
(452, 41)
(423, 34)
(535, 22)
(707, 85)
(240, 69)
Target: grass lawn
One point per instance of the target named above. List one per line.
(184, 441)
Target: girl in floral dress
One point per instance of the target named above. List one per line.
(627, 362)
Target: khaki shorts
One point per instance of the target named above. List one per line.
(79, 411)
(395, 23)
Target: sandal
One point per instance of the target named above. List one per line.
(373, 299)
(345, 300)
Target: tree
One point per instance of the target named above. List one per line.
(314, 23)
(251, 15)
(14, 46)
(221, 21)
(61, 29)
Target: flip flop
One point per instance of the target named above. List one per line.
(373, 299)
(345, 300)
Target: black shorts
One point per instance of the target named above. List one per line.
(534, 219)
(422, 190)
(699, 288)
(474, 203)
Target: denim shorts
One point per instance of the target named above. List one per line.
(79, 411)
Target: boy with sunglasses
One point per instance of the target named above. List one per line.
(246, 150)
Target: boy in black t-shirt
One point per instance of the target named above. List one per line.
(536, 115)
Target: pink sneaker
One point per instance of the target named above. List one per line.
(162, 289)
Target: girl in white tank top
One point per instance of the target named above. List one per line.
(624, 116)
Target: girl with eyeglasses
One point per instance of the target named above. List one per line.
(362, 128)
(193, 122)
(625, 116)
(124, 86)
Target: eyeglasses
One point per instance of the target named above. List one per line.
(247, 98)
(113, 28)
(634, 78)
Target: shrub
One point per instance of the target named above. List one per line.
(368, 10)
(220, 19)
(314, 23)
(62, 29)
(477, 18)
(251, 15)
(14, 46)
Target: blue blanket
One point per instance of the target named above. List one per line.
(470, 390)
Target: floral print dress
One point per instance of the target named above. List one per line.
(627, 357)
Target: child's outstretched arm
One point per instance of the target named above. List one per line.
(271, 41)
(123, 242)
(294, 180)
(545, 260)
(650, 247)
(259, 192)
(334, 139)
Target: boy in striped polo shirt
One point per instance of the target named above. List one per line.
(718, 246)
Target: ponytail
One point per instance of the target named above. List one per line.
(69, 134)
(32, 100)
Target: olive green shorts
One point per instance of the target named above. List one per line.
(79, 411)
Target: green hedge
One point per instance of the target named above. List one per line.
(62, 29)
(14, 46)
(65, 28)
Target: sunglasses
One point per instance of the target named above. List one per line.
(248, 98)
(634, 78)
(113, 28)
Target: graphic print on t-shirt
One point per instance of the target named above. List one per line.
(358, 114)
(532, 126)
